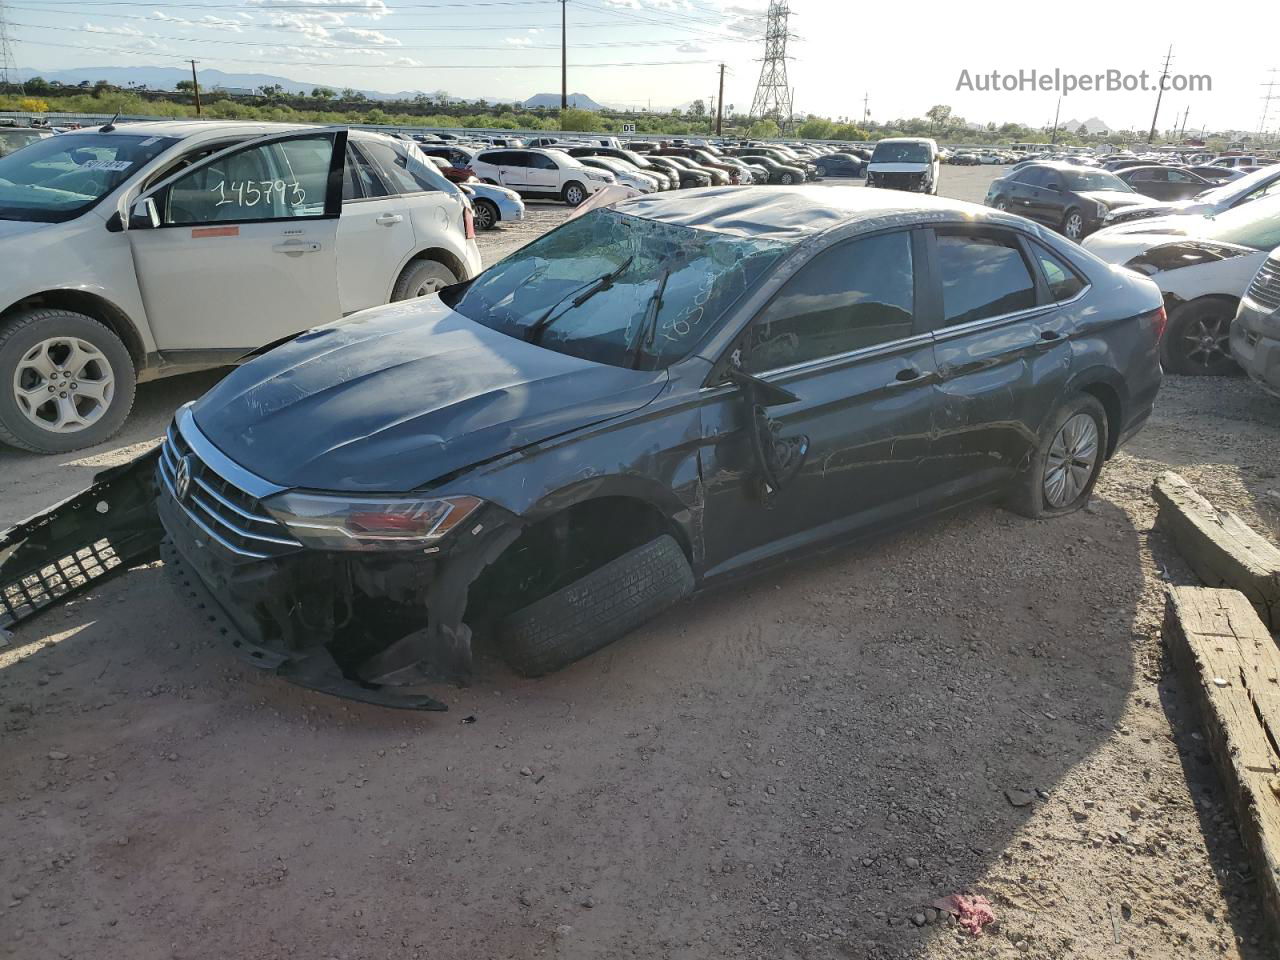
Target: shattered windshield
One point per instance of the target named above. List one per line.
(61, 177)
(617, 289)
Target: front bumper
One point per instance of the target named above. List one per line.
(913, 182)
(1255, 344)
(370, 626)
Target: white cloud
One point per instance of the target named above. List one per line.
(406, 62)
(356, 8)
(519, 41)
(370, 37)
(690, 48)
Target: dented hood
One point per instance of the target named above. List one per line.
(396, 397)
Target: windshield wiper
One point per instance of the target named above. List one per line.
(649, 325)
(599, 285)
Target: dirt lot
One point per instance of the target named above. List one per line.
(791, 768)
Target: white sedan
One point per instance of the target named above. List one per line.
(1203, 265)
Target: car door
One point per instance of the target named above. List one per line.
(513, 170)
(1025, 191)
(375, 235)
(1183, 185)
(1049, 200)
(244, 249)
(1002, 344)
(842, 335)
(543, 175)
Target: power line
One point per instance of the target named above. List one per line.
(368, 66)
(354, 47)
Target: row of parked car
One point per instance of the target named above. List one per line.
(1209, 253)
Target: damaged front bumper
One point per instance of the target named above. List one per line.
(374, 627)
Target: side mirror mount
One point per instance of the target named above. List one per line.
(144, 215)
(764, 393)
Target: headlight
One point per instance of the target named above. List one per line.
(1102, 210)
(601, 175)
(359, 523)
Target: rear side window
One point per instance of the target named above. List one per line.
(360, 180)
(395, 166)
(848, 297)
(982, 276)
(1031, 176)
(1063, 282)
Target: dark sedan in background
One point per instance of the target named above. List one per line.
(687, 176)
(839, 165)
(646, 400)
(783, 173)
(1162, 182)
(637, 160)
(1072, 200)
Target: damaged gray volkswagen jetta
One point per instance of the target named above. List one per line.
(648, 399)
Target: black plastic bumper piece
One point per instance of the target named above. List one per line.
(103, 530)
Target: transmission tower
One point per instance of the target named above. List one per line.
(773, 94)
(8, 69)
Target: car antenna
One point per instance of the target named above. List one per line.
(110, 124)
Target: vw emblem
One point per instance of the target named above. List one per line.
(182, 479)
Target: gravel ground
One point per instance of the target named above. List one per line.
(791, 768)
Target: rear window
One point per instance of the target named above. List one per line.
(982, 276)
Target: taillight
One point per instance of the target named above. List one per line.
(469, 222)
(1159, 320)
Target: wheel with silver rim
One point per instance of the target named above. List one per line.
(485, 213)
(786, 179)
(1061, 471)
(68, 381)
(1073, 454)
(1002, 204)
(1073, 225)
(821, 171)
(1198, 341)
(574, 194)
(421, 278)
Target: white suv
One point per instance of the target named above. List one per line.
(136, 251)
(541, 174)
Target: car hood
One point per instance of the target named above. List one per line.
(1179, 254)
(21, 228)
(395, 397)
(1116, 198)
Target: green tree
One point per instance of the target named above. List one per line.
(698, 108)
(322, 93)
(938, 115)
(185, 86)
(763, 130)
(816, 128)
(578, 120)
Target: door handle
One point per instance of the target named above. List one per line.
(296, 247)
(906, 377)
(387, 219)
(1048, 338)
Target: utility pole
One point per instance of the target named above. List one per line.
(1164, 73)
(564, 59)
(8, 69)
(720, 105)
(1266, 104)
(1182, 130)
(866, 114)
(1056, 111)
(195, 84)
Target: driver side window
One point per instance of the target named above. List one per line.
(852, 296)
(282, 180)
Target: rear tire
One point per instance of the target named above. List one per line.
(1070, 451)
(575, 194)
(1073, 225)
(597, 609)
(422, 277)
(38, 348)
(1196, 343)
(820, 172)
(486, 214)
(786, 179)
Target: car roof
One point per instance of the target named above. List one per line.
(182, 129)
(796, 213)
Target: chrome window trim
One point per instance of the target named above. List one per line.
(862, 352)
(220, 463)
(944, 333)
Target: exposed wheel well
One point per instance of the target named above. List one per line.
(559, 549)
(1106, 395)
(91, 305)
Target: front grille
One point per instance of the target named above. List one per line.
(229, 515)
(900, 181)
(1265, 289)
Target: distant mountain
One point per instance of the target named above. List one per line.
(1092, 125)
(165, 78)
(579, 101)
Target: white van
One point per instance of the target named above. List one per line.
(139, 250)
(905, 163)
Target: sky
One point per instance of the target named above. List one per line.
(663, 53)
